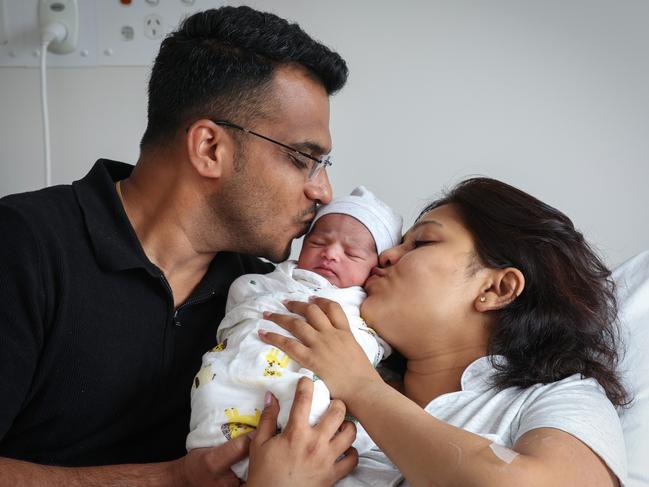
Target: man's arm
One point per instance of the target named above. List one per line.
(22, 313)
(301, 455)
(201, 467)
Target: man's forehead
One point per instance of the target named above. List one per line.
(302, 112)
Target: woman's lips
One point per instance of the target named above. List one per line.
(377, 271)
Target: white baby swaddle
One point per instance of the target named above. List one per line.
(228, 392)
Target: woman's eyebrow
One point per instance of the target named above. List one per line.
(426, 222)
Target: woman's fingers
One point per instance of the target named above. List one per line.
(267, 426)
(291, 347)
(345, 465)
(312, 314)
(333, 311)
(299, 417)
(332, 418)
(344, 438)
(299, 328)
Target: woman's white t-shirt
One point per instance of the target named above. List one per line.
(575, 405)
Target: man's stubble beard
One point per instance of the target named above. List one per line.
(241, 209)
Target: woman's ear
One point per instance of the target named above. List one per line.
(210, 149)
(504, 286)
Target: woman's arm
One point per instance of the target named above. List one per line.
(426, 450)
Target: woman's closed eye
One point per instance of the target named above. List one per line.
(421, 243)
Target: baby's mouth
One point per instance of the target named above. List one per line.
(326, 271)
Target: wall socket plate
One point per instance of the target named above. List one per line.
(65, 12)
(111, 32)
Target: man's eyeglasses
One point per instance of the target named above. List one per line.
(306, 162)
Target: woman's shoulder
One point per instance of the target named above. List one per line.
(578, 406)
(575, 404)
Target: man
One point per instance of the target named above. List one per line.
(112, 288)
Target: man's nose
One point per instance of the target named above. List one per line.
(318, 189)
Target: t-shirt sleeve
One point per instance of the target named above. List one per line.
(22, 305)
(580, 408)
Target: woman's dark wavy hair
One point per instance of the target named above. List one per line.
(220, 62)
(565, 320)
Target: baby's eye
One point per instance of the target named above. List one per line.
(353, 255)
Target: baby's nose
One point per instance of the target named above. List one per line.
(330, 252)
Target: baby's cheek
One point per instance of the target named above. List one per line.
(356, 274)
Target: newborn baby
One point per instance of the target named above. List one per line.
(337, 256)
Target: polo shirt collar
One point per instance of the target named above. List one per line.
(114, 240)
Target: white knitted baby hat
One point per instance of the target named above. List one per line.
(382, 221)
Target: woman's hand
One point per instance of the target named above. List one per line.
(325, 345)
(302, 455)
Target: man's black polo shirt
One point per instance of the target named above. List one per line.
(95, 365)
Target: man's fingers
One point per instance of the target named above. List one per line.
(222, 457)
(267, 426)
(345, 465)
(301, 408)
(332, 418)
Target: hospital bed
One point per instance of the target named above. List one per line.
(632, 279)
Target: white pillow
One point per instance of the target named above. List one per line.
(632, 279)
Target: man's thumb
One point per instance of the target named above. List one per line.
(231, 452)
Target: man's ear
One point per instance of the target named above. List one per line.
(502, 287)
(210, 148)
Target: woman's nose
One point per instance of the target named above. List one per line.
(390, 256)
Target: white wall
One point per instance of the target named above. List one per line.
(551, 96)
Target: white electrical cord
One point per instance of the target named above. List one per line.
(53, 31)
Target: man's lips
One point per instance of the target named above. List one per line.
(305, 224)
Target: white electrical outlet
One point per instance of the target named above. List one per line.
(4, 30)
(153, 27)
(65, 12)
(110, 32)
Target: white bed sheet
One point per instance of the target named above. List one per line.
(632, 279)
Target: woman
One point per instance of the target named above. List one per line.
(505, 318)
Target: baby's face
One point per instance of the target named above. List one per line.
(340, 249)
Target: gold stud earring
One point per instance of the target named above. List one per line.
(483, 299)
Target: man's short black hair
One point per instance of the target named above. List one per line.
(219, 63)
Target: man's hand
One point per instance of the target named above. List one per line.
(302, 455)
(210, 467)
